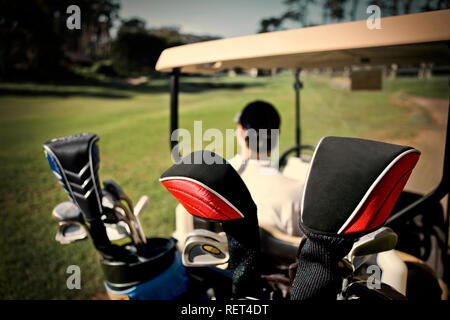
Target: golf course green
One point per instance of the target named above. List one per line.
(133, 125)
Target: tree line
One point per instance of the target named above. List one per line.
(307, 13)
(37, 44)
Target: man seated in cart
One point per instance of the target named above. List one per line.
(277, 197)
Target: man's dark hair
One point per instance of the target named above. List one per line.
(260, 115)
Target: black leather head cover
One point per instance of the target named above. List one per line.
(197, 185)
(75, 161)
(216, 192)
(351, 189)
(353, 184)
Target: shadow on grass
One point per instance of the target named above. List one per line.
(194, 87)
(116, 90)
(58, 93)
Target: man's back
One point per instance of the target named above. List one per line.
(277, 197)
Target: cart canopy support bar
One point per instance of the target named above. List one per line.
(297, 86)
(174, 90)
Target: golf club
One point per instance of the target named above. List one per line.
(110, 215)
(69, 233)
(116, 190)
(205, 248)
(74, 161)
(68, 212)
(366, 196)
(141, 205)
(117, 231)
(216, 192)
(111, 200)
(381, 240)
(72, 226)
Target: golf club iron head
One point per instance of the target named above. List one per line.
(205, 248)
(117, 231)
(381, 240)
(72, 226)
(70, 232)
(67, 211)
(118, 194)
(112, 214)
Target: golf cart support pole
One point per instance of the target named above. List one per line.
(297, 86)
(174, 90)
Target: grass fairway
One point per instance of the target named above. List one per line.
(133, 126)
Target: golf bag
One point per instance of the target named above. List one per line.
(150, 269)
(344, 200)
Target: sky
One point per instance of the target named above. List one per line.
(224, 18)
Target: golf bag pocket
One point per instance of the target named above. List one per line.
(171, 284)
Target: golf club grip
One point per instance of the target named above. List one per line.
(245, 260)
(75, 161)
(318, 277)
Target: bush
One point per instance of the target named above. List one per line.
(104, 67)
(135, 52)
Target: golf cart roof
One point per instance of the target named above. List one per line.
(413, 38)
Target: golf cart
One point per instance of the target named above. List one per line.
(152, 268)
(405, 39)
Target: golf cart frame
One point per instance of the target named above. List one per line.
(414, 38)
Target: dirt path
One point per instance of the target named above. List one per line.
(430, 141)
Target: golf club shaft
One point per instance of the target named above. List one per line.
(133, 230)
(133, 217)
(141, 205)
(115, 188)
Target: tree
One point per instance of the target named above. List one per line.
(135, 51)
(299, 11)
(34, 36)
(340, 10)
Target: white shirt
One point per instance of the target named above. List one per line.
(278, 198)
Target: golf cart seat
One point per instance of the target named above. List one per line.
(280, 247)
(297, 168)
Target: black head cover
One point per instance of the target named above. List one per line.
(350, 191)
(216, 192)
(75, 161)
(197, 184)
(353, 184)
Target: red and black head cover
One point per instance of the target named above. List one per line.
(214, 191)
(351, 188)
(211, 191)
